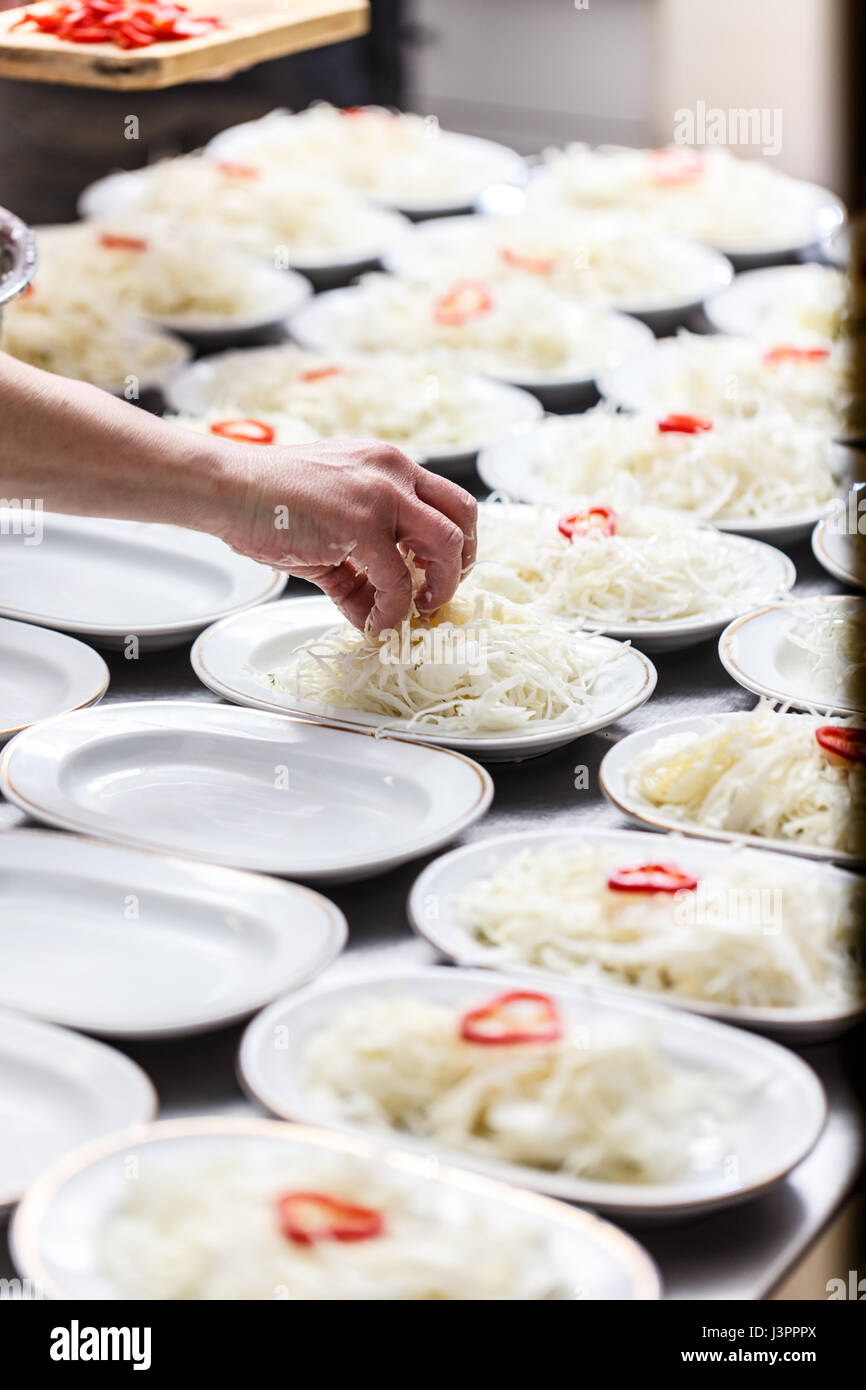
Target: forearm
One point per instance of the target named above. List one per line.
(77, 449)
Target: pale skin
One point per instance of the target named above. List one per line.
(339, 513)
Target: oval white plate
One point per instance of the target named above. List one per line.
(743, 307)
(196, 391)
(756, 653)
(510, 466)
(59, 1090)
(615, 764)
(832, 548)
(430, 912)
(781, 1116)
(43, 673)
(56, 1232)
(143, 945)
(234, 658)
(110, 580)
(319, 325)
(243, 788)
(419, 254)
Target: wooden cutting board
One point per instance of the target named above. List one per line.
(255, 30)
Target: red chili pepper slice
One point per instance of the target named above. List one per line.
(244, 431)
(600, 519)
(466, 300)
(685, 424)
(121, 22)
(308, 1217)
(651, 878)
(788, 353)
(113, 241)
(237, 171)
(849, 744)
(520, 1016)
(669, 168)
(536, 265)
(319, 373)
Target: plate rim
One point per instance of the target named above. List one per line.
(63, 637)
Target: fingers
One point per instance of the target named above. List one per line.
(439, 543)
(455, 503)
(389, 575)
(350, 589)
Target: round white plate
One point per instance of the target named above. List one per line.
(780, 1110)
(425, 249)
(833, 548)
(320, 325)
(43, 673)
(112, 580)
(56, 1233)
(510, 466)
(615, 764)
(197, 390)
(243, 788)
(280, 293)
(143, 945)
(744, 307)
(431, 913)
(756, 653)
(59, 1090)
(234, 658)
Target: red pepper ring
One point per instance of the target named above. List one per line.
(685, 424)
(600, 519)
(125, 23)
(466, 300)
(671, 167)
(319, 373)
(504, 1020)
(536, 265)
(237, 171)
(788, 353)
(113, 241)
(309, 1217)
(842, 742)
(244, 431)
(652, 878)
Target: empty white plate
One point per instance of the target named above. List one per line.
(113, 580)
(43, 673)
(778, 1104)
(431, 912)
(58, 1229)
(59, 1090)
(233, 658)
(142, 945)
(839, 547)
(758, 652)
(243, 788)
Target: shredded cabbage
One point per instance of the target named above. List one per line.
(603, 1102)
(763, 774)
(834, 641)
(812, 305)
(751, 934)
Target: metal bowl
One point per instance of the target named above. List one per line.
(17, 257)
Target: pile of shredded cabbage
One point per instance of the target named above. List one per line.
(758, 468)
(525, 329)
(287, 430)
(420, 406)
(749, 935)
(658, 567)
(722, 375)
(385, 155)
(603, 1102)
(762, 774)
(813, 307)
(733, 202)
(210, 1232)
(833, 638)
(480, 665)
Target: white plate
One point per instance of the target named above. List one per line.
(756, 653)
(233, 659)
(196, 390)
(615, 764)
(510, 466)
(780, 1115)
(43, 673)
(143, 945)
(279, 292)
(110, 580)
(833, 548)
(430, 911)
(59, 1090)
(243, 788)
(320, 325)
(744, 307)
(56, 1232)
(420, 254)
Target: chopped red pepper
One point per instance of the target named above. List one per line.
(536, 265)
(685, 424)
(520, 1016)
(237, 171)
(787, 353)
(308, 1217)
(651, 878)
(849, 744)
(125, 23)
(113, 241)
(669, 168)
(600, 519)
(319, 373)
(466, 300)
(27, 291)
(244, 431)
